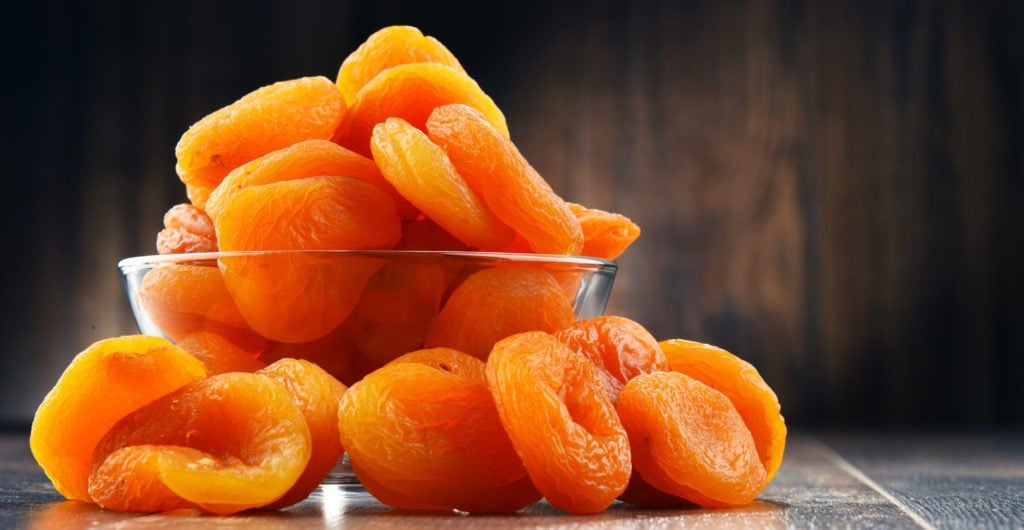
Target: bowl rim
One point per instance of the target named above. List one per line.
(136, 263)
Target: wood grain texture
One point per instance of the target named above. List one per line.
(829, 190)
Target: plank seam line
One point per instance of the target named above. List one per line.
(846, 466)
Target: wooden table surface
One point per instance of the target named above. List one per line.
(839, 480)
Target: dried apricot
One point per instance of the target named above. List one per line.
(687, 439)
(411, 91)
(494, 303)
(495, 169)
(421, 437)
(121, 374)
(606, 235)
(224, 444)
(422, 173)
(387, 47)
(554, 408)
(219, 354)
(309, 158)
(621, 349)
(333, 352)
(317, 395)
(186, 229)
(395, 310)
(742, 384)
(424, 234)
(447, 360)
(262, 121)
(183, 299)
(299, 297)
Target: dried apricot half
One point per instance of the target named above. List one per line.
(742, 384)
(554, 407)
(121, 374)
(262, 121)
(492, 304)
(621, 348)
(421, 437)
(186, 229)
(606, 235)
(495, 169)
(687, 439)
(387, 47)
(224, 444)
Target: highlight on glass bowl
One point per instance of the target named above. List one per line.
(354, 311)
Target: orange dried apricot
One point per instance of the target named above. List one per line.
(494, 303)
(300, 297)
(395, 311)
(606, 235)
(554, 408)
(186, 229)
(183, 299)
(317, 395)
(422, 173)
(421, 437)
(755, 401)
(309, 158)
(223, 444)
(424, 234)
(687, 439)
(387, 47)
(262, 121)
(119, 374)
(495, 169)
(620, 348)
(218, 354)
(411, 91)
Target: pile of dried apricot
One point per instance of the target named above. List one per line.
(449, 389)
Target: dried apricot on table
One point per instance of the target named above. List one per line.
(554, 407)
(186, 229)
(422, 437)
(387, 47)
(411, 91)
(687, 439)
(621, 349)
(494, 303)
(120, 374)
(495, 169)
(262, 121)
(422, 173)
(742, 384)
(224, 444)
(299, 297)
(606, 235)
(317, 395)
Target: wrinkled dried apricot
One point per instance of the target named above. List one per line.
(424, 234)
(606, 235)
(101, 385)
(186, 229)
(687, 439)
(420, 437)
(317, 395)
(395, 311)
(620, 348)
(742, 384)
(183, 299)
(554, 408)
(494, 303)
(300, 297)
(262, 121)
(422, 173)
(219, 354)
(309, 158)
(410, 92)
(495, 169)
(387, 47)
(224, 444)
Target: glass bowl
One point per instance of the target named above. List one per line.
(353, 311)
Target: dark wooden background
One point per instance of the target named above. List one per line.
(831, 190)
